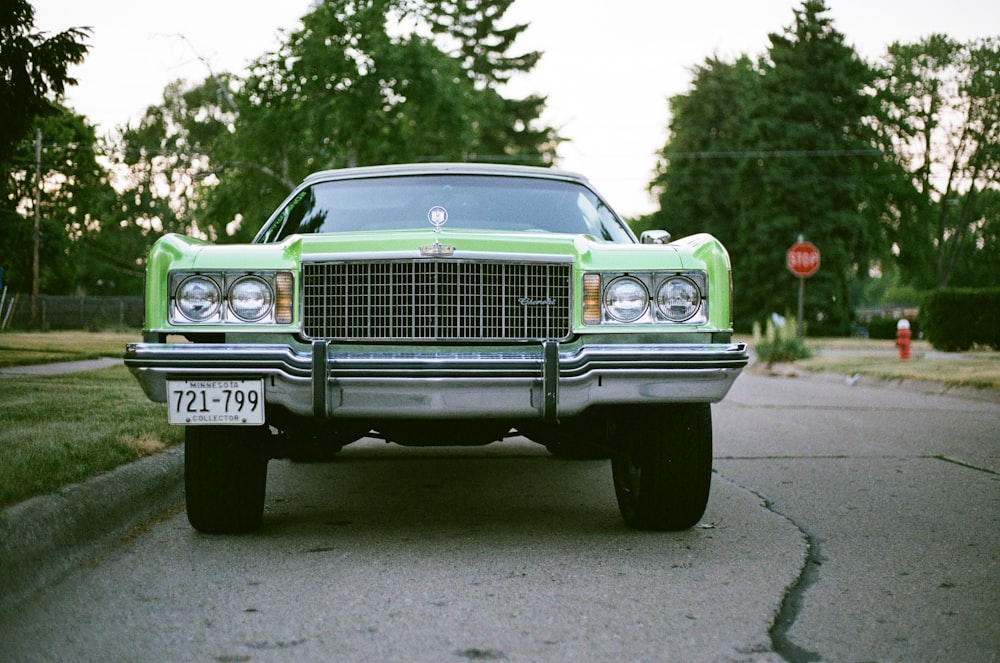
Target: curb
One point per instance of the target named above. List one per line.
(931, 388)
(87, 516)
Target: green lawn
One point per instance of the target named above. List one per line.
(58, 430)
(26, 348)
(881, 359)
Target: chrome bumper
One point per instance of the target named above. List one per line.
(544, 381)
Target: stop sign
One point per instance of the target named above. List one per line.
(803, 259)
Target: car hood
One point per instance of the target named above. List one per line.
(479, 244)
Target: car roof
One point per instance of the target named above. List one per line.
(396, 170)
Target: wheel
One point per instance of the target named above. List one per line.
(225, 475)
(662, 469)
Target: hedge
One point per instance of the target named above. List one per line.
(955, 319)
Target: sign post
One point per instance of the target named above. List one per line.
(802, 260)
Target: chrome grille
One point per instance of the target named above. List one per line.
(436, 300)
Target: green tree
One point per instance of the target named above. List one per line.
(698, 179)
(941, 102)
(75, 200)
(761, 153)
(34, 68)
(359, 83)
(978, 264)
(816, 172)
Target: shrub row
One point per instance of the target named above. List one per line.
(956, 319)
(885, 328)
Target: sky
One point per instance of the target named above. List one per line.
(608, 69)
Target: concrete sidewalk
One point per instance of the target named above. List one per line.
(59, 368)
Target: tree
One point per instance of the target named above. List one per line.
(359, 83)
(761, 153)
(817, 170)
(942, 124)
(698, 180)
(76, 201)
(34, 70)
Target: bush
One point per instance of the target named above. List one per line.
(779, 342)
(956, 319)
(885, 328)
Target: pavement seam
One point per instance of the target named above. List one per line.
(962, 463)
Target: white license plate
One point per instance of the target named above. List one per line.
(215, 402)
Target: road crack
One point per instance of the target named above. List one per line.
(791, 601)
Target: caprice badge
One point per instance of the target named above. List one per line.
(536, 301)
(438, 216)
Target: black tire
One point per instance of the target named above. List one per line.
(225, 476)
(663, 467)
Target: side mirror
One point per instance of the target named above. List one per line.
(655, 237)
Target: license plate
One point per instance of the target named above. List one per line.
(215, 402)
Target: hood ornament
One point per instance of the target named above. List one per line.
(438, 216)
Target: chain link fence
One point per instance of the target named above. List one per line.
(71, 312)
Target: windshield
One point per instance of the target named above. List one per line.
(480, 202)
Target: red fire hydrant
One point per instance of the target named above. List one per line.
(903, 338)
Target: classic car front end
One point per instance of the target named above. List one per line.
(441, 304)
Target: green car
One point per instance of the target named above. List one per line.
(442, 304)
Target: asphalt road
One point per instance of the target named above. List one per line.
(847, 523)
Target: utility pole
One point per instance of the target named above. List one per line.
(38, 225)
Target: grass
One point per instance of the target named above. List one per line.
(880, 359)
(62, 429)
(27, 348)
(59, 430)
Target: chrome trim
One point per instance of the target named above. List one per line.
(471, 256)
(541, 381)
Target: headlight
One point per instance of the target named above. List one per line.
(678, 298)
(198, 298)
(625, 299)
(231, 297)
(250, 299)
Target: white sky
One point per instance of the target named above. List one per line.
(609, 65)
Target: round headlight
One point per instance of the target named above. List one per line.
(625, 299)
(678, 298)
(250, 298)
(198, 298)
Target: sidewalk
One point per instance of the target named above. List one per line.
(60, 368)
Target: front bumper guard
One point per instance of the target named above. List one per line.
(544, 381)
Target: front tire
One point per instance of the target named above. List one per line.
(662, 468)
(225, 476)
